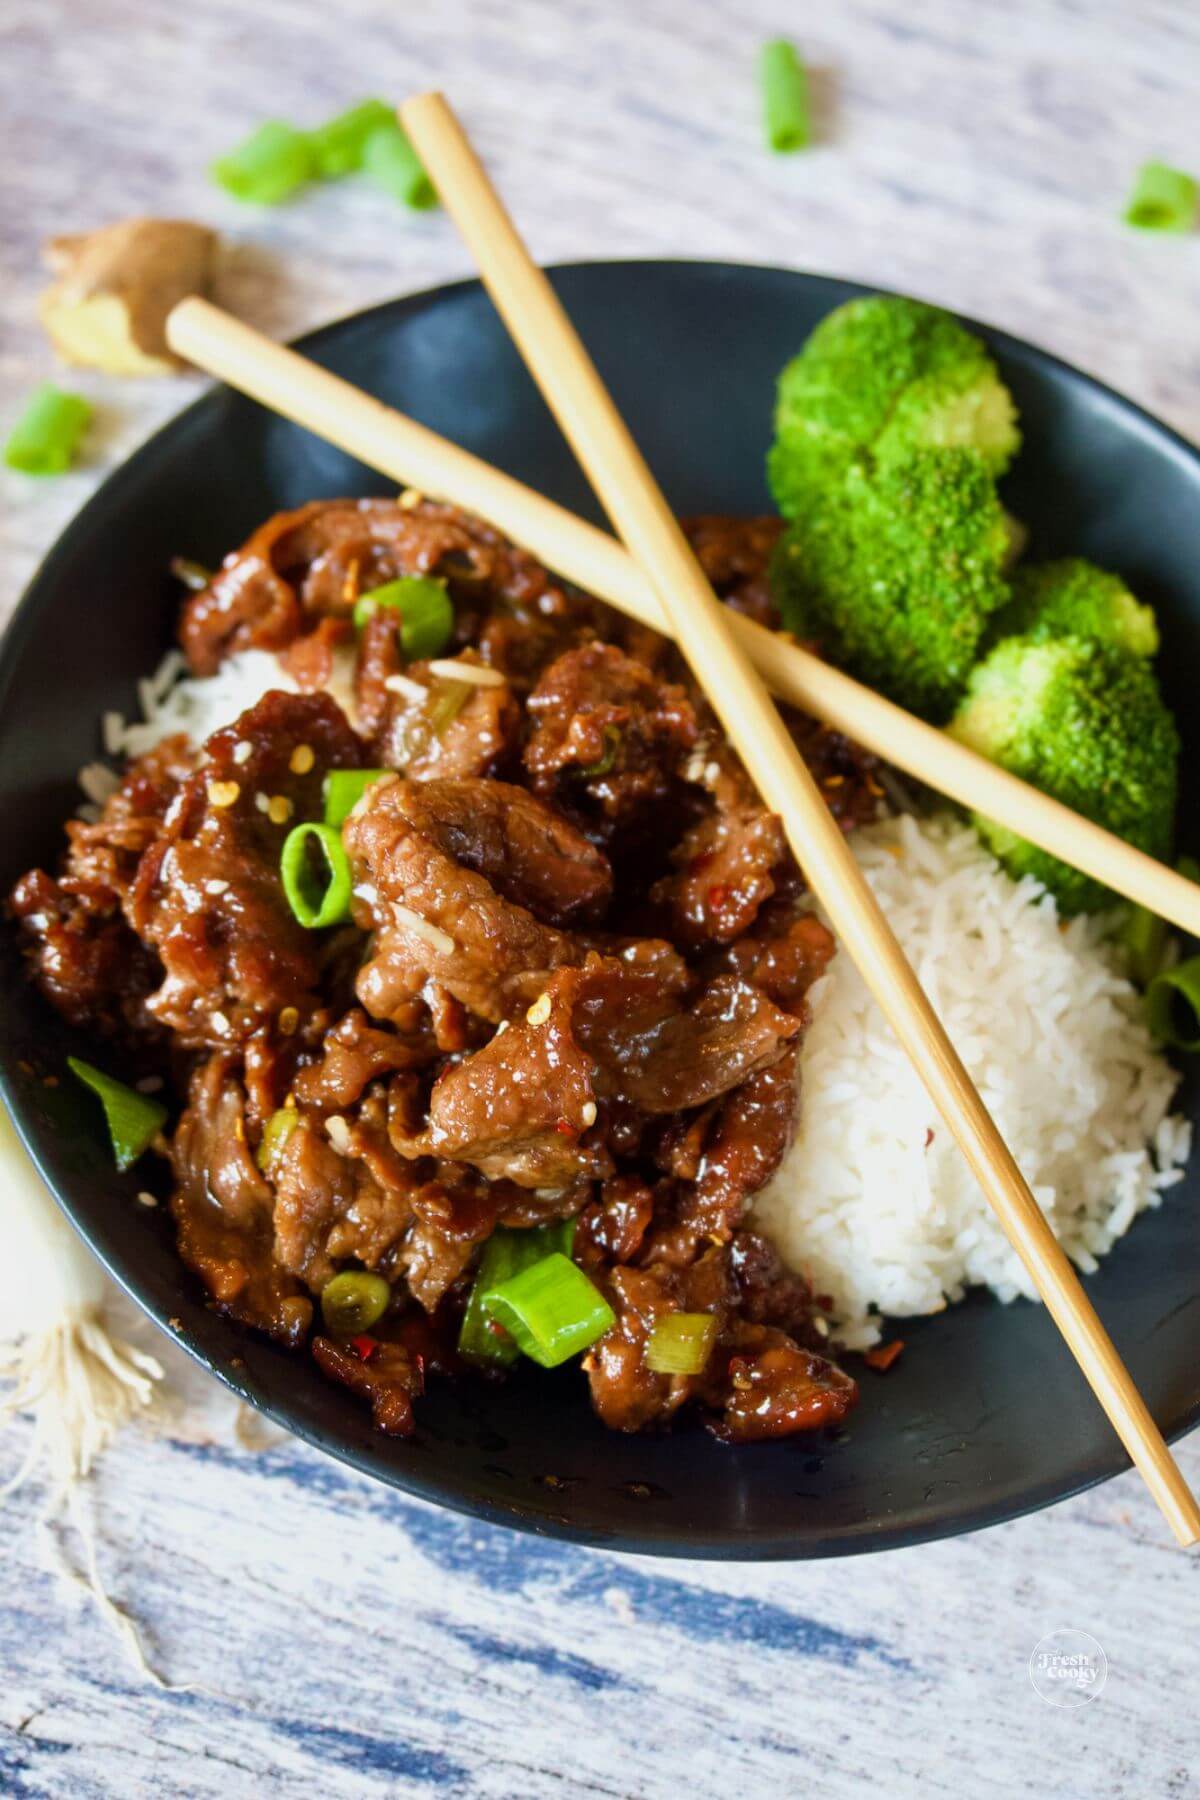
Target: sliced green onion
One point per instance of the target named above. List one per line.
(267, 166)
(505, 1254)
(784, 80)
(392, 163)
(46, 436)
(552, 1310)
(343, 790)
(1145, 932)
(607, 757)
(1163, 199)
(681, 1344)
(337, 146)
(314, 904)
(276, 1132)
(133, 1119)
(1173, 1005)
(354, 1301)
(426, 613)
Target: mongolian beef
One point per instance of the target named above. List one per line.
(480, 988)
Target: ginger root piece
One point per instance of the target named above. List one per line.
(116, 286)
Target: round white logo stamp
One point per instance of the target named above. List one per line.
(1068, 1668)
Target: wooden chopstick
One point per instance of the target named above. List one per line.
(397, 446)
(579, 400)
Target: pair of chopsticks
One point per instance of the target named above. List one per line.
(663, 582)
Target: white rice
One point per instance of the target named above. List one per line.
(874, 1201)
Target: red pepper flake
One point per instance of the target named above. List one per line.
(883, 1355)
(564, 1128)
(364, 1347)
(928, 1136)
(718, 896)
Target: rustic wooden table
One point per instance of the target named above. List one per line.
(323, 1632)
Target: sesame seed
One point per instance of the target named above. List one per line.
(539, 1012)
(147, 1199)
(218, 1021)
(279, 809)
(712, 774)
(302, 759)
(262, 802)
(223, 793)
(821, 1327)
(409, 498)
(501, 1028)
(243, 750)
(216, 888)
(289, 1018)
(588, 1115)
(339, 1133)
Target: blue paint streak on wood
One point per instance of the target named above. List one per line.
(357, 1750)
(548, 1661)
(515, 1560)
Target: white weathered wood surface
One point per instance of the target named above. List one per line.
(336, 1637)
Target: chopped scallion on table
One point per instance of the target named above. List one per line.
(1163, 199)
(681, 1344)
(343, 790)
(267, 166)
(45, 438)
(504, 1255)
(786, 116)
(551, 1309)
(133, 1120)
(315, 901)
(1173, 1005)
(425, 609)
(337, 146)
(392, 163)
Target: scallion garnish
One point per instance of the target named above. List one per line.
(133, 1119)
(337, 147)
(46, 436)
(1173, 1005)
(784, 79)
(194, 576)
(392, 163)
(314, 903)
(681, 1344)
(551, 1309)
(504, 1255)
(342, 791)
(267, 166)
(276, 1132)
(426, 613)
(354, 1301)
(607, 757)
(1163, 199)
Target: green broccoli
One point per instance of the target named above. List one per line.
(1073, 598)
(885, 374)
(896, 572)
(1085, 723)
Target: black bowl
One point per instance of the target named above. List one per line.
(986, 1416)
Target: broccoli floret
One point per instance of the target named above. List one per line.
(1073, 598)
(885, 374)
(1085, 723)
(896, 572)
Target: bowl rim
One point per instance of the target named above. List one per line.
(880, 1532)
